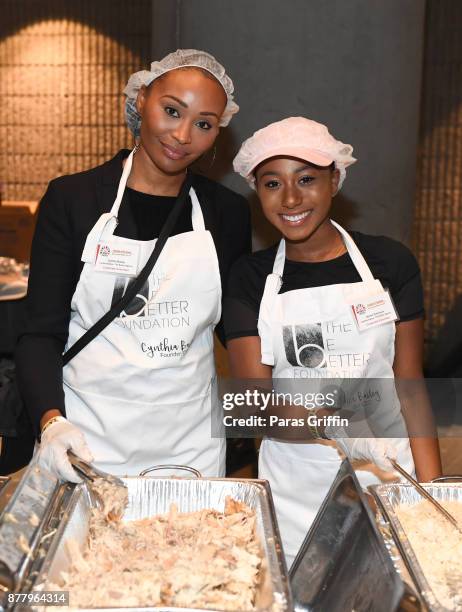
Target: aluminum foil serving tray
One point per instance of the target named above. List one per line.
(388, 497)
(150, 496)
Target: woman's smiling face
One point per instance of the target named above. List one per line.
(295, 195)
(180, 114)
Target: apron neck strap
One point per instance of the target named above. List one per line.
(356, 257)
(280, 259)
(123, 183)
(197, 218)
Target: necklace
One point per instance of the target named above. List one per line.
(340, 250)
(337, 251)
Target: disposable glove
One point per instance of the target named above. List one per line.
(379, 451)
(56, 440)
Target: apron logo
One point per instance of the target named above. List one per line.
(137, 306)
(304, 345)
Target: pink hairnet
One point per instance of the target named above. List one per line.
(294, 137)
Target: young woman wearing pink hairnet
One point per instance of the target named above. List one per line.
(141, 393)
(314, 307)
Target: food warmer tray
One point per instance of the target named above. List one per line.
(343, 563)
(28, 512)
(388, 497)
(149, 496)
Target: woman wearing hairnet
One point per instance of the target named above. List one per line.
(289, 315)
(141, 393)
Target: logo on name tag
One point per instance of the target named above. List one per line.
(105, 251)
(374, 311)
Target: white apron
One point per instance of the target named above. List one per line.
(311, 334)
(144, 390)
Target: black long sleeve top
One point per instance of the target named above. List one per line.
(69, 209)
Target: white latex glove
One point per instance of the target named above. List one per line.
(56, 440)
(379, 451)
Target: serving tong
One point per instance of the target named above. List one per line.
(427, 495)
(90, 473)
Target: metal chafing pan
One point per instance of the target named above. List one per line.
(25, 507)
(343, 564)
(388, 497)
(150, 496)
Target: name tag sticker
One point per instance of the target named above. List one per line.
(116, 259)
(374, 310)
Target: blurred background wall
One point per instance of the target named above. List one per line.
(437, 221)
(63, 65)
(355, 66)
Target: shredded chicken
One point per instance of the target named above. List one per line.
(23, 544)
(114, 497)
(204, 559)
(10, 518)
(437, 546)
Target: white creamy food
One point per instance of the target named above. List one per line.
(438, 547)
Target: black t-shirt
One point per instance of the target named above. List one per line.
(390, 262)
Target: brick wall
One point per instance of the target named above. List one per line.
(63, 66)
(438, 214)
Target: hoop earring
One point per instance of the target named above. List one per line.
(213, 155)
(198, 163)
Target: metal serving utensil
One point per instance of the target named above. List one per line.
(427, 495)
(90, 473)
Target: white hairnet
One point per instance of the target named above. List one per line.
(181, 58)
